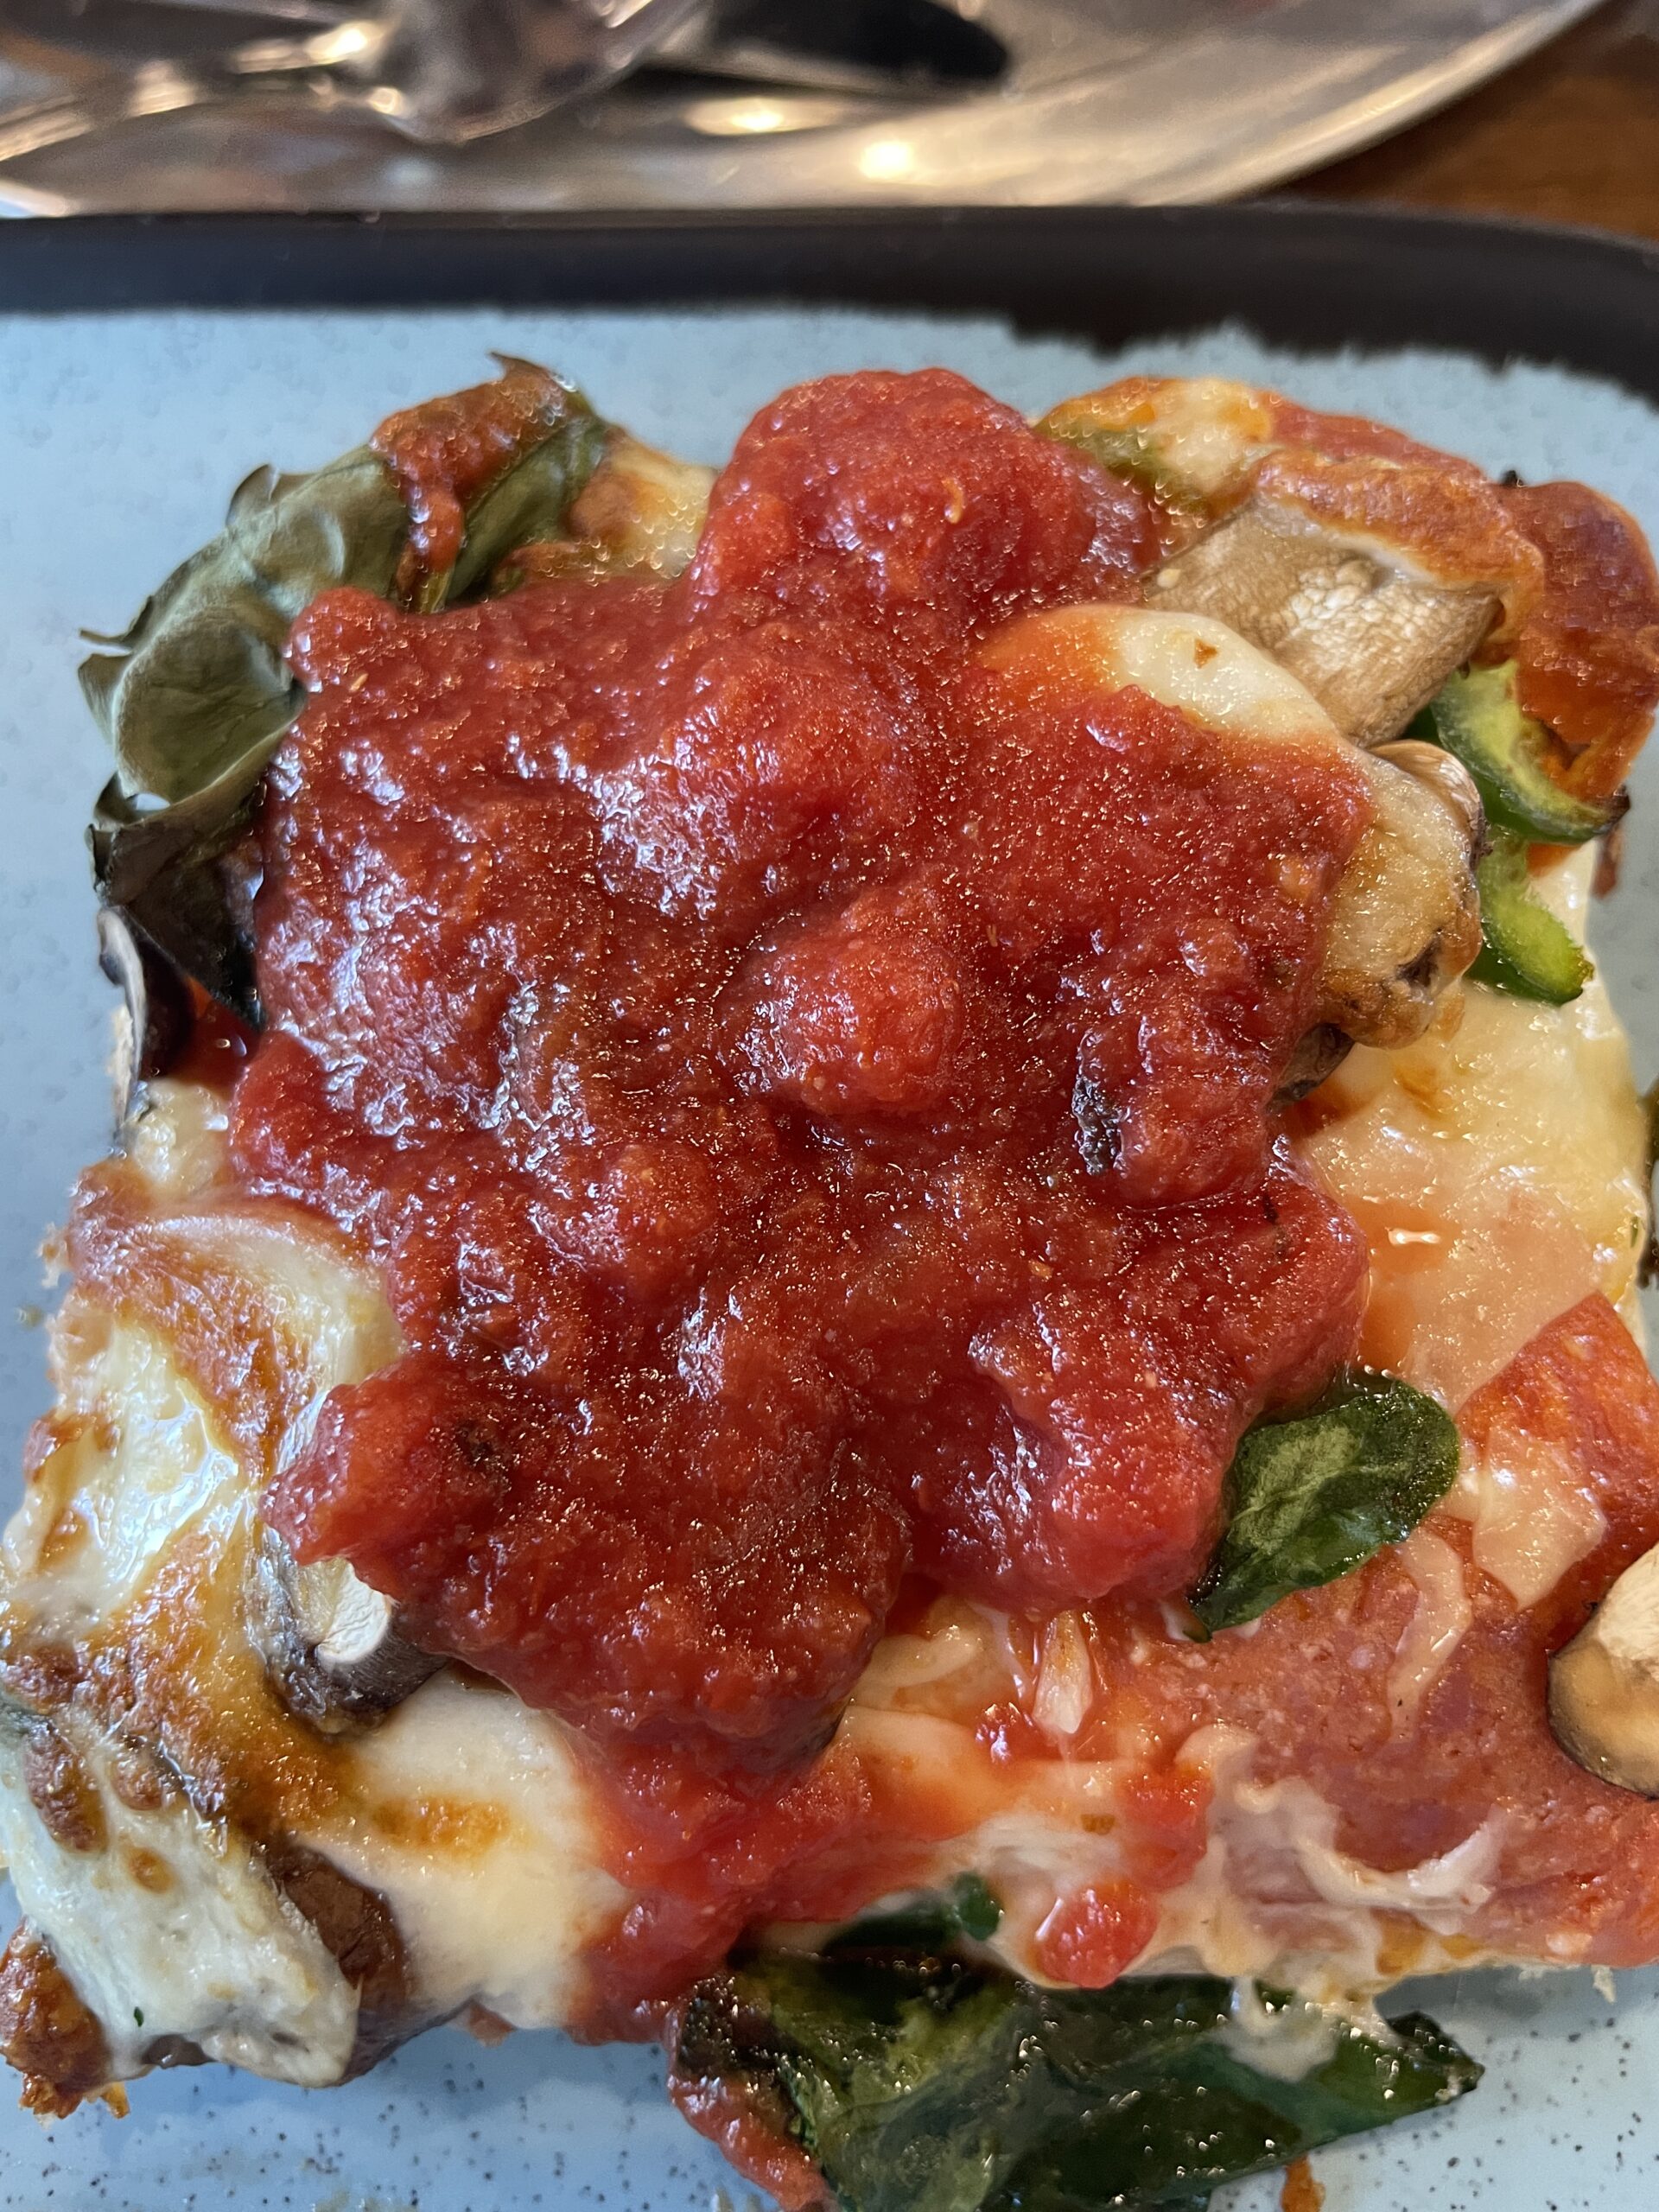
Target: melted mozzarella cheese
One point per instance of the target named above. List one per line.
(479, 1837)
(1065, 1680)
(177, 1138)
(1441, 1892)
(140, 1463)
(172, 1928)
(1273, 1897)
(1437, 1626)
(1533, 1517)
(464, 1810)
(1498, 1166)
(1190, 662)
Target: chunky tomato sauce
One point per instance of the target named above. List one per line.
(1572, 1869)
(1311, 1698)
(809, 1091)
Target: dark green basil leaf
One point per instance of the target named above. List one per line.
(1311, 1496)
(196, 698)
(1205, 2114)
(922, 2085)
(933, 1922)
(200, 681)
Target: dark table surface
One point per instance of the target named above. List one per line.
(1571, 136)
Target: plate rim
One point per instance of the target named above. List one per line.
(1298, 272)
(65, 265)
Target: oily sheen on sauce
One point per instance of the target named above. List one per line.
(809, 1088)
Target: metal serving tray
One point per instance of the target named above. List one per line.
(1138, 100)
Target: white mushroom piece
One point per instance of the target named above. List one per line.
(152, 1024)
(1604, 1686)
(1406, 920)
(329, 1642)
(1371, 637)
(1370, 630)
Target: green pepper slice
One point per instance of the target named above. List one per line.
(1476, 716)
(1524, 949)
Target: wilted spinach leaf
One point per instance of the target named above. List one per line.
(933, 1922)
(1311, 1496)
(530, 501)
(934, 2086)
(171, 870)
(200, 682)
(195, 697)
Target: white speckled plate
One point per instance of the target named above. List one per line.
(120, 437)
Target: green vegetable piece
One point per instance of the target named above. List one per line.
(195, 698)
(531, 501)
(1125, 453)
(933, 1922)
(1476, 716)
(1314, 1495)
(170, 870)
(933, 2086)
(1524, 948)
(200, 681)
(1206, 2115)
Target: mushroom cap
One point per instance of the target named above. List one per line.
(1604, 1686)
(1371, 637)
(329, 1641)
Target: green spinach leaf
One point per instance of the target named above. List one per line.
(196, 696)
(922, 2085)
(935, 1920)
(1311, 1496)
(531, 500)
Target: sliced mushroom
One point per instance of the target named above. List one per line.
(1372, 641)
(153, 1025)
(1406, 922)
(1317, 1055)
(1604, 1686)
(328, 1640)
(358, 1929)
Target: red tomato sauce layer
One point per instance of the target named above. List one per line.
(1572, 1870)
(810, 1100)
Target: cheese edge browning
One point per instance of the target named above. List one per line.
(126, 1564)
